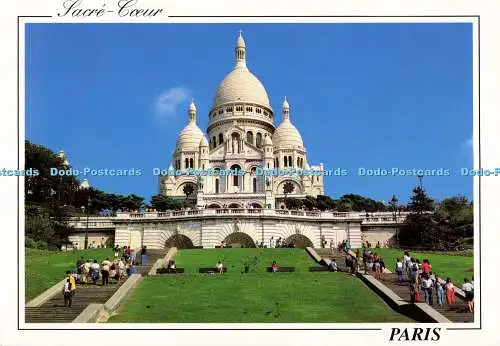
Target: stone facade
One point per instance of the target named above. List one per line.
(242, 137)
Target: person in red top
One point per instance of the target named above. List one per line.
(426, 266)
(275, 267)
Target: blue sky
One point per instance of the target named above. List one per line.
(361, 95)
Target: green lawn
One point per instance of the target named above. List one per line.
(46, 268)
(256, 297)
(233, 259)
(455, 267)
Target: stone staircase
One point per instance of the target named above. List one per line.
(337, 255)
(153, 256)
(54, 311)
(455, 313)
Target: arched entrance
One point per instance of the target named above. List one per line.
(256, 205)
(239, 238)
(299, 241)
(179, 241)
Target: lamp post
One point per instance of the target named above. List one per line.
(89, 201)
(394, 203)
(86, 186)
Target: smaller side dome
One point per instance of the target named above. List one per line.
(268, 141)
(204, 142)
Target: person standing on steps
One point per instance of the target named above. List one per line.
(438, 287)
(69, 289)
(399, 270)
(105, 271)
(468, 289)
(450, 292)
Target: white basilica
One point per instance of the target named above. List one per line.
(241, 136)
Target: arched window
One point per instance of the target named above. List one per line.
(285, 161)
(214, 143)
(186, 163)
(254, 185)
(216, 185)
(191, 165)
(258, 142)
(250, 137)
(236, 177)
(203, 166)
(298, 162)
(221, 138)
(289, 161)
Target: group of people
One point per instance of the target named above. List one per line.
(274, 243)
(90, 271)
(423, 282)
(341, 245)
(93, 271)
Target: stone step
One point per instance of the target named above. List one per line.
(454, 313)
(54, 311)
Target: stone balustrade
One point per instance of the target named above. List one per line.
(370, 219)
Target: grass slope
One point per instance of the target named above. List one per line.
(256, 297)
(46, 268)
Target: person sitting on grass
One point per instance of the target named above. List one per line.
(275, 267)
(219, 267)
(172, 264)
(468, 289)
(333, 266)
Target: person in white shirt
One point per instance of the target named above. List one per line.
(427, 288)
(105, 271)
(399, 270)
(407, 261)
(468, 289)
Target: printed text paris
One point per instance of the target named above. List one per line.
(124, 8)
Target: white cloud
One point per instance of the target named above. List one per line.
(168, 102)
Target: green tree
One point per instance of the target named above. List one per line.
(288, 188)
(163, 203)
(420, 202)
(188, 190)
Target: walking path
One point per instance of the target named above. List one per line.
(457, 313)
(54, 311)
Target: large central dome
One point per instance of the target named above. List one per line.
(241, 85)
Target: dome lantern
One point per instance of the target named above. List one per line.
(240, 51)
(286, 110)
(192, 112)
(241, 85)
